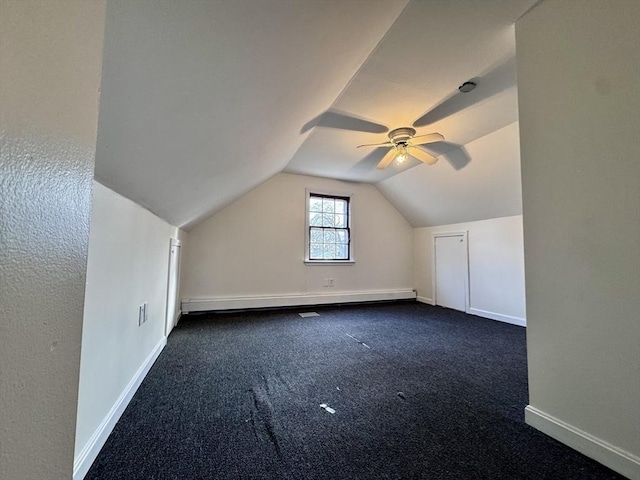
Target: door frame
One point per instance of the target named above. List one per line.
(170, 319)
(458, 233)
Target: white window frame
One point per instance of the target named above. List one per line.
(316, 191)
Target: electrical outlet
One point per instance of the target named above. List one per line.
(143, 313)
(330, 283)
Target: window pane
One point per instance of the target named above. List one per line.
(328, 228)
(315, 219)
(329, 251)
(328, 220)
(342, 252)
(329, 236)
(316, 235)
(328, 205)
(315, 204)
(316, 251)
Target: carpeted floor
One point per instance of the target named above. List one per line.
(419, 392)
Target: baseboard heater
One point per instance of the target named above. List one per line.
(191, 305)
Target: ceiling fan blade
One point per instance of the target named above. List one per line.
(421, 155)
(385, 144)
(387, 159)
(429, 138)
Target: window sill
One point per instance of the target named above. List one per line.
(329, 262)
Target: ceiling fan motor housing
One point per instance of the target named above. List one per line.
(401, 135)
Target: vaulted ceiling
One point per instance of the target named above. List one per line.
(203, 100)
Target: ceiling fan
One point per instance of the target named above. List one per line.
(404, 144)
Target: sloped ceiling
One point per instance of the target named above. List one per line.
(203, 100)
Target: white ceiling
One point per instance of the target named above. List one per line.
(487, 187)
(204, 100)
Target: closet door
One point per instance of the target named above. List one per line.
(451, 271)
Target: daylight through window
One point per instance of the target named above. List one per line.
(329, 233)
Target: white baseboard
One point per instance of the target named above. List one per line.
(498, 316)
(616, 459)
(426, 300)
(231, 303)
(90, 451)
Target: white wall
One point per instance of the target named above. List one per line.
(579, 101)
(496, 266)
(50, 69)
(127, 266)
(256, 245)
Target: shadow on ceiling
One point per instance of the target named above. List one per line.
(343, 121)
(498, 79)
(453, 153)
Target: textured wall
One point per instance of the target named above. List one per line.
(50, 67)
(128, 265)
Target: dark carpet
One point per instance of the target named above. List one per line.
(419, 392)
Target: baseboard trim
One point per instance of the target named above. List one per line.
(621, 461)
(498, 316)
(428, 301)
(90, 451)
(234, 303)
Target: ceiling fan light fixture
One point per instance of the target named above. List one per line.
(401, 156)
(400, 141)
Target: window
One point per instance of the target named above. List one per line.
(328, 232)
